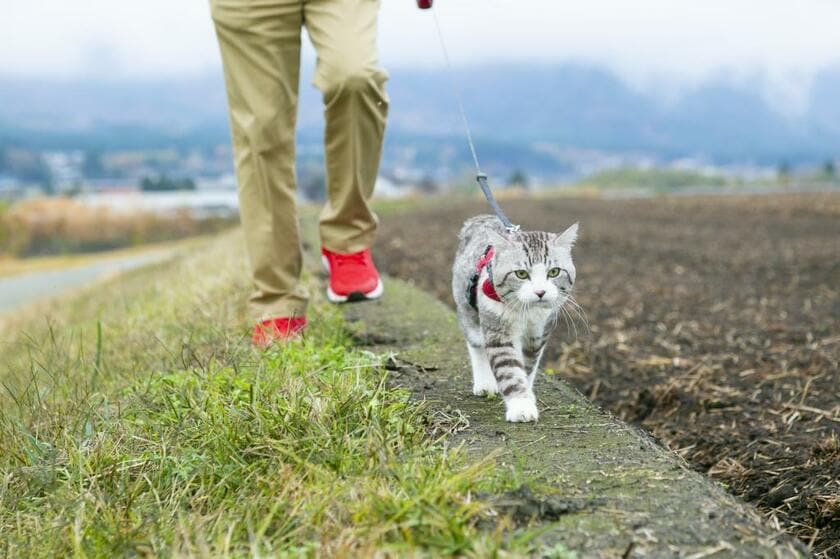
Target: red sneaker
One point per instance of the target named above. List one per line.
(353, 277)
(277, 330)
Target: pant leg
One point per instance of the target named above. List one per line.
(260, 46)
(355, 107)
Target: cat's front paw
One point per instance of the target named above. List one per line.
(521, 409)
(485, 387)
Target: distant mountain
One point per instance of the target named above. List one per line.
(589, 107)
(824, 107)
(511, 108)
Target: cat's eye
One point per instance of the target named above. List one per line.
(521, 274)
(554, 272)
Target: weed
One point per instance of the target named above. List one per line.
(137, 420)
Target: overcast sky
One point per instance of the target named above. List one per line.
(684, 40)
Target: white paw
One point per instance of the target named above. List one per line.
(485, 386)
(521, 409)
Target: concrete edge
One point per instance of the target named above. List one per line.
(606, 489)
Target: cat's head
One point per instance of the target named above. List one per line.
(534, 267)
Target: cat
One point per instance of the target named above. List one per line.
(509, 288)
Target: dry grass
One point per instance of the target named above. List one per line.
(62, 225)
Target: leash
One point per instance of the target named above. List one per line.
(480, 177)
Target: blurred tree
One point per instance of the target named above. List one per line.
(518, 178)
(47, 187)
(163, 183)
(43, 177)
(92, 168)
(74, 190)
(29, 167)
(428, 185)
(830, 170)
(783, 172)
(313, 187)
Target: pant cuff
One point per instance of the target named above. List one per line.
(278, 309)
(348, 246)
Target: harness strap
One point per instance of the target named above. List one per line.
(485, 260)
(487, 287)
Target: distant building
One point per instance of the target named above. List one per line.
(391, 187)
(112, 185)
(208, 203)
(222, 182)
(65, 169)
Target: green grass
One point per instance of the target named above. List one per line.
(137, 421)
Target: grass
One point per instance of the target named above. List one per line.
(60, 225)
(137, 421)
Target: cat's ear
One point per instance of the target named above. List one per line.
(499, 237)
(567, 238)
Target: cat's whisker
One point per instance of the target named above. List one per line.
(575, 306)
(570, 298)
(571, 318)
(554, 318)
(561, 312)
(570, 325)
(581, 315)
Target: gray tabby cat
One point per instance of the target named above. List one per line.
(509, 289)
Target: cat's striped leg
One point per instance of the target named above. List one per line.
(532, 353)
(483, 380)
(507, 365)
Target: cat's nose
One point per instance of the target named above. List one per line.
(540, 293)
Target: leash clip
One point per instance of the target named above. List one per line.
(481, 178)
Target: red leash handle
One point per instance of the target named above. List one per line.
(424, 4)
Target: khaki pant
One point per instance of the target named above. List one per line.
(260, 44)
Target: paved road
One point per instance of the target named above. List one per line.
(20, 290)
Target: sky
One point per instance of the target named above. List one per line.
(646, 41)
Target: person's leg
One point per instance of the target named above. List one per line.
(356, 106)
(260, 45)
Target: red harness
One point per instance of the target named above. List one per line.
(486, 287)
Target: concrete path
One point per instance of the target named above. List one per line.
(601, 488)
(17, 291)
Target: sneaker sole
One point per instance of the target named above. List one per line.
(355, 296)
